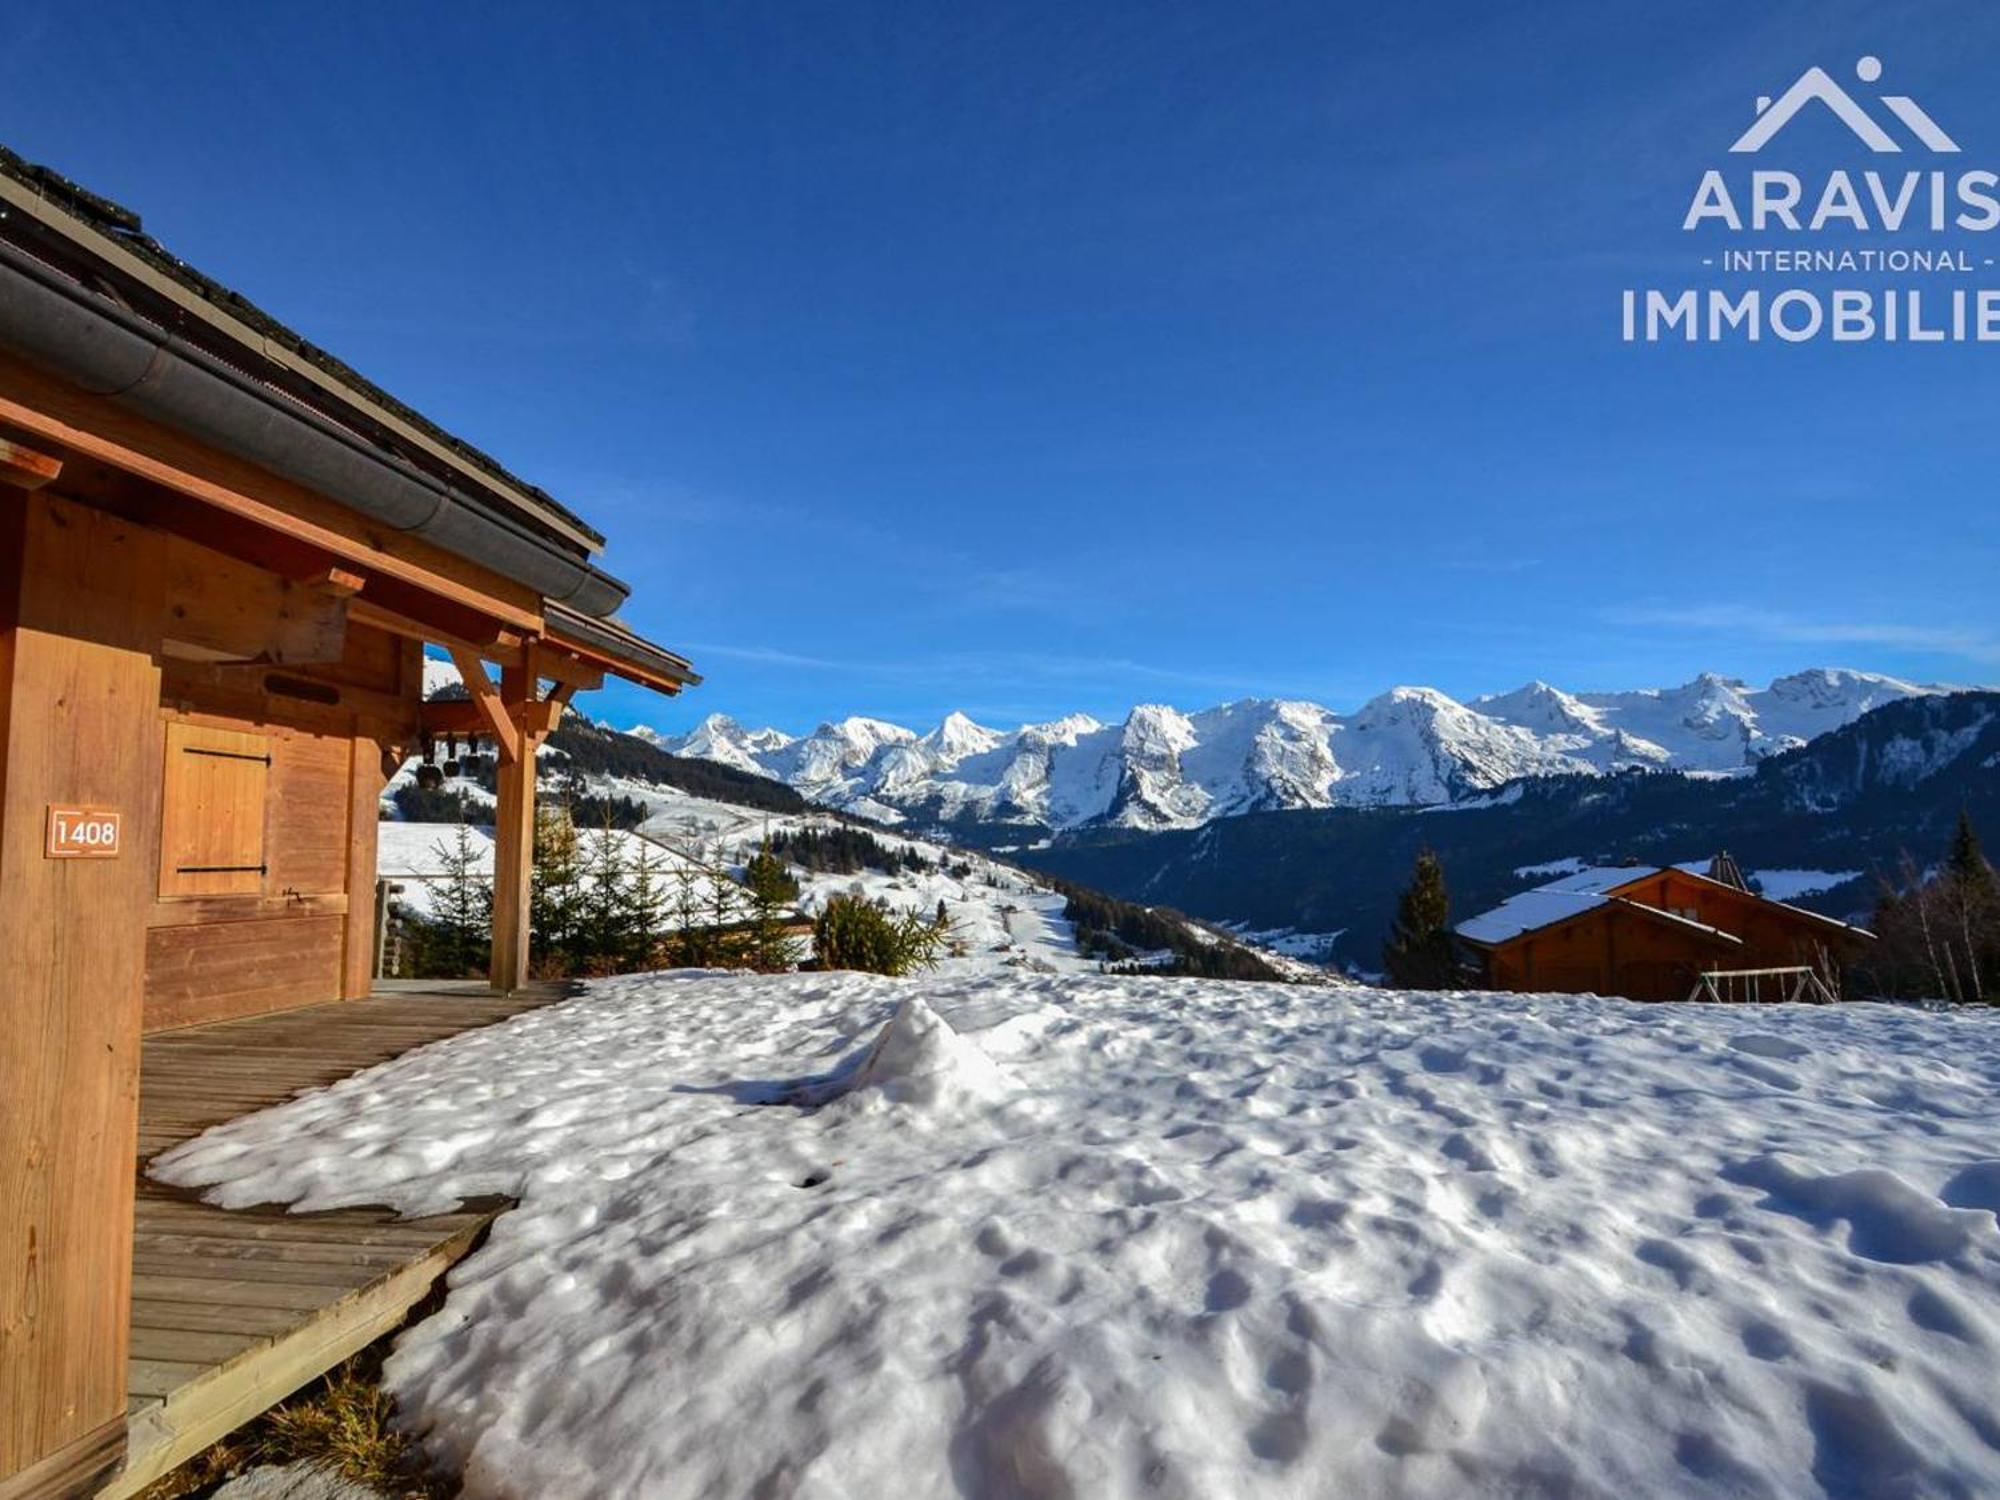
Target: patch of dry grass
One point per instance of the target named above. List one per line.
(341, 1422)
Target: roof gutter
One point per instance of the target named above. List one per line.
(92, 342)
(629, 654)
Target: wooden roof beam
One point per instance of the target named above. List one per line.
(339, 582)
(495, 644)
(495, 720)
(26, 468)
(564, 667)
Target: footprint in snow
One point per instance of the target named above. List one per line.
(1977, 1186)
(1763, 1072)
(1763, 1044)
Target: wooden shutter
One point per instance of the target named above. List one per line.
(212, 812)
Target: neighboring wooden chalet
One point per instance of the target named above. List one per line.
(1659, 934)
(221, 554)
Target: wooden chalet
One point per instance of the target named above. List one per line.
(221, 555)
(1647, 933)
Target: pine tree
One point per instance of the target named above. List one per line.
(1971, 901)
(1938, 934)
(1966, 863)
(556, 896)
(604, 929)
(852, 932)
(689, 946)
(462, 914)
(646, 909)
(770, 948)
(1420, 954)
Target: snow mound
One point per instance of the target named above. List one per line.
(1887, 1218)
(918, 1060)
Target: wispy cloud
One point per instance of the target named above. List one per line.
(772, 656)
(1495, 564)
(1776, 625)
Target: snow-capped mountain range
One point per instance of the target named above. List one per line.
(1412, 746)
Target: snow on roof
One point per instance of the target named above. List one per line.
(1596, 880)
(1559, 900)
(1555, 901)
(1525, 912)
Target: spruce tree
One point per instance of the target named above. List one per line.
(1966, 863)
(646, 908)
(603, 932)
(1971, 901)
(1420, 954)
(688, 948)
(769, 948)
(462, 912)
(556, 896)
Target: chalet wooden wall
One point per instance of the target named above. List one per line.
(286, 919)
(80, 603)
(1772, 937)
(1607, 951)
(121, 644)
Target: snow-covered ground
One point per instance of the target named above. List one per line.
(1081, 1236)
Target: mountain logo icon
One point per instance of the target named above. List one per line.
(1816, 83)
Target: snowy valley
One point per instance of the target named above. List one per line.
(1826, 814)
(1000, 917)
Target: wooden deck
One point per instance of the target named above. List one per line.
(234, 1310)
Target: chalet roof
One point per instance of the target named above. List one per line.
(629, 653)
(105, 243)
(1598, 879)
(1555, 901)
(1584, 890)
(1540, 907)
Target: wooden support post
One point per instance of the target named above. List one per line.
(513, 845)
(359, 943)
(80, 618)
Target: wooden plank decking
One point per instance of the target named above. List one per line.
(234, 1310)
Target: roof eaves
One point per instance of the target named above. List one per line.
(110, 234)
(620, 648)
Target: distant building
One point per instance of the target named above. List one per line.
(1648, 933)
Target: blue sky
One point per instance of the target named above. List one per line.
(1025, 359)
